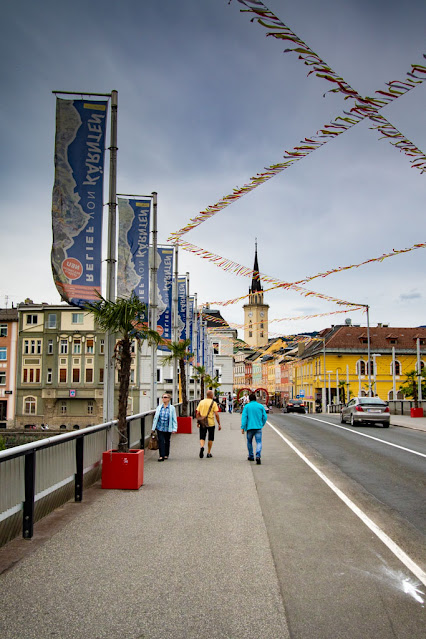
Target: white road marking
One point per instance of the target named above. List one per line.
(377, 439)
(393, 547)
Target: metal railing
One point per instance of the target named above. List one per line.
(38, 477)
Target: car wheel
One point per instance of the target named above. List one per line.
(352, 421)
(386, 425)
(342, 421)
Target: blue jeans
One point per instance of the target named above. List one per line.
(257, 434)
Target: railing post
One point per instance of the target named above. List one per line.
(128, 432)
(79, 463)
(142, 444)
(28, 517)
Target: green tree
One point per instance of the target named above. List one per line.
(124, 317)
(180, 351)
(2, 443)
(212, 383)
(410, 386)
(200, 375)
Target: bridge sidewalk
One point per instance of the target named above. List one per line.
(186, 556)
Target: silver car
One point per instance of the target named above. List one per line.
(364, 410)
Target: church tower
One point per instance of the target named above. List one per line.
(256, 312)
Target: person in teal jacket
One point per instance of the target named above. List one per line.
(165, 423)
(253, 420)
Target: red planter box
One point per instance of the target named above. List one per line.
(122, 470)
(416, 412)
(184, 425)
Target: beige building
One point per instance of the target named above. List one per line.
(256, 312)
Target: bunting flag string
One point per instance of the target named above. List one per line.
(364, 107)
(238, 269)
(339, 125)
(222, 322)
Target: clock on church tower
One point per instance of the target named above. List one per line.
(256, 312)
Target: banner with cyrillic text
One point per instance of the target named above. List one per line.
(133, 249)
(77, 200)
(164, 293)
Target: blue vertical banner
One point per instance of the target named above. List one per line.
(182, 282)
(133, 249)
(198, 345)
(77, 199)
(164, 293)
(190, 311)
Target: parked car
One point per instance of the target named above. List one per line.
(295, 406)
(366, 410)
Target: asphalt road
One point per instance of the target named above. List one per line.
(393, 474)
(338, 578)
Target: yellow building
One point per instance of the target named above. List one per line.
(344, 365)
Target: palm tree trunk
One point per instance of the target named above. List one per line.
(183, 385)
(123, 394)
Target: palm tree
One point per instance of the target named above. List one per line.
(125, 318)
(180, 352)
(410, 386)
(199, 376)
(212, 382)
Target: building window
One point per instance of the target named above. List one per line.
(133, 347)
(90, 346)
(102, 346)
(422, 365)
(50, 347)
(397, 368)
(159, 375)
(216, 348)
(76, 375)
(3, 330)
(89, 375)
(26, 347)
(261, 333)
(261, 325)
(39, 347)
(63, 408)
(49, 376)
(31, 375)
(250, 334)
(62, 375)
(360, 367)
(51, 320)
(101, 375)
(77, 347)
(90, 407)
(32, 319)
(2, 378)
(132, 376)
(77, 318)
(30, 405)
(64, 346)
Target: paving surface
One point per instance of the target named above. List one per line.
(186, 556)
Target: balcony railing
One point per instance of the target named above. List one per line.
(38, 477)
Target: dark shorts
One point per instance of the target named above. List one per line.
(205, 430)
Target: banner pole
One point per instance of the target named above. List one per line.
(153, 314)
(109, 381)
(175, 326)
(195, 342)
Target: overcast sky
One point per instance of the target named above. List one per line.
(206, 101)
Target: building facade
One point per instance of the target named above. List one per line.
(8, 359)
(256, 323)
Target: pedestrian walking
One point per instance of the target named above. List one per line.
(165, 423)
(253, 420)
(230, 403)
(208, 408)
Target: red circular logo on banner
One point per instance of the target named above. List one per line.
(72, 268)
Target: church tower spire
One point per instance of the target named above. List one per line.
(256, 312)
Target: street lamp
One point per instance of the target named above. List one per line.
(374, 355)
(329, 390)
(367, 308)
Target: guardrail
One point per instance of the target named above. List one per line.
(38, 477)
